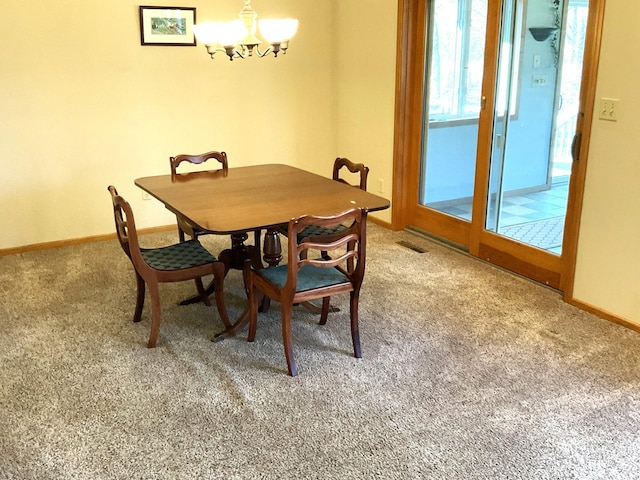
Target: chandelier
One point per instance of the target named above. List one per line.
(238, 38)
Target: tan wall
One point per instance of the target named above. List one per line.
(84, 105)
(608, 263)
(365, 88)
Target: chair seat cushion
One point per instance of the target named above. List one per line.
(176, 257)
(315, 230)
(309, 277)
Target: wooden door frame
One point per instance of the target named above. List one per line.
(408, 109)
(593, 42)
(408, 134)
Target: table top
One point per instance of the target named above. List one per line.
(245, 198)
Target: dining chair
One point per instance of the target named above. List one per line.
(339, 165)
(356, 168)
(306, 277)
(184, 226)
(172, 263)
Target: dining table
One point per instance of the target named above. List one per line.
(238, 200)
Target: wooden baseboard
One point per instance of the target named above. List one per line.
(76, 241)
(598, 312)
(377, 221)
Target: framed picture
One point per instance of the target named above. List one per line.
(167, 26)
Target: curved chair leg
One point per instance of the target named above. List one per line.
(253, 312)
(155, 314)
(199, 286)
(218, 278)
(355, 331)
(287, 341)
(137, 316)
(202, 292)
(324, 313)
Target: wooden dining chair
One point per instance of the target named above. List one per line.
(184, 226)
(356, 168)
(306, 277)
(339, 166)
(173, 263)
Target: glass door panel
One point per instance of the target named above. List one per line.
(454, 70)
(537, 86)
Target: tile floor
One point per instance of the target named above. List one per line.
(534, 218)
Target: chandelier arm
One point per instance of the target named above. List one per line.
(211, 50)
(263, 54)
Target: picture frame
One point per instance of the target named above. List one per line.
(167, 26)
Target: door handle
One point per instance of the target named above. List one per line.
(575, 147)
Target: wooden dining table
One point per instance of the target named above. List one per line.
(260, 197)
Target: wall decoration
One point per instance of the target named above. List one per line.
(167, 26)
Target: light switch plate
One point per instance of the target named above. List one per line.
(608, 109)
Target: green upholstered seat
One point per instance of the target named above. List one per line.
(309, 277)
(176, 257)
(314, 230)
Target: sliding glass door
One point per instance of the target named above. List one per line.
(500, 98)
(534, 121)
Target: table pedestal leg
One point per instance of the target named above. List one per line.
(272, 248)
(252, 259)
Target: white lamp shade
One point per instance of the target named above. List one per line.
(230, 33)
(207, 33)
(278, 31)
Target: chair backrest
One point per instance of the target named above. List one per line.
(353, 168)
(345, 249)
(125, 227)
(198, 159)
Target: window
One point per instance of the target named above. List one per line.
(457, 38)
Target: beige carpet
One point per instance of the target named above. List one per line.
(467, 372)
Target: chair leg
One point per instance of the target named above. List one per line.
(287, 342)
(199, 286)
(155, 314)
(324, 313)
(355, 331)
(201, 291)
(218, 278)
(253, 311)
(137, 316)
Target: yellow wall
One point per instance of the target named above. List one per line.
(365, 85)
(84, 105)
(608, 263)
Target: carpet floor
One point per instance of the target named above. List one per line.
(468, 372)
